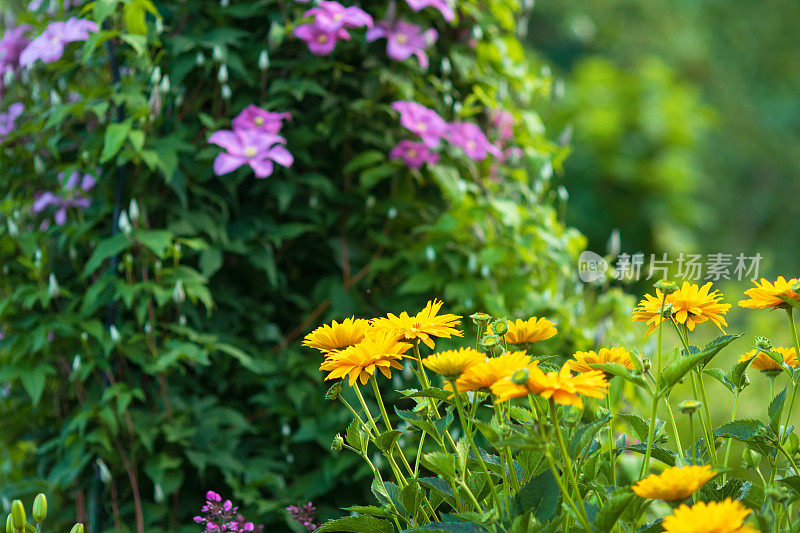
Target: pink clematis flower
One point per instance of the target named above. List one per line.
(403, 39)
(331, 16)
(12, 44)
(320, 42)
(470, 137)
(423, 121)
(73, 193)
(445, 7)
(9, 118)
(413, 154)
(49, 46)
(253, 117)
(250, 147)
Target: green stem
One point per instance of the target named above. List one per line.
(661, 313)
(396, 469)
(650, 437)
(678, 445)
(730, 441)
(795, 382)
(568, 464)
(712, 453)
(611, 454)
(692, 444)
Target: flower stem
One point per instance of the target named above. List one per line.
(611, 454)
(650, 436)
(795, 382)
(678, 445)
(692, 444)
(568, 464)
(730, 441)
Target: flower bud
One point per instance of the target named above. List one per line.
(491, 344)
(666, 287)
(500, 326)
(200, 59)
(125, 223)
(155, 78)
(776, 493)
(52, 286)
(222, 75)
(216, 53)
(763, 343)
(430, 254)
(10, 524)
(164, 86)
(133, 211)
(688, 407)
(226, 92)
(77, 528)
(520, 377)
(334, 392)
(480, 319)
(667, 311)
(39, 508)
(114, 333)
(178, 294)
(337, 443)
(263, 60)
(18, 514)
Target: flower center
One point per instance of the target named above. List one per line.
(337, 17)
(250, 151)
(412, 153)
(259, 121)
(402, 38)
(471, 145)
(322, 39)
(421, 126)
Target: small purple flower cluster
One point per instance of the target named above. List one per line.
(330, 24)
(72, 194)
(49, 46)
(403, 39)
(305, 515)
(253, 141)
(9, 118)
(219, 516)
(431, 128)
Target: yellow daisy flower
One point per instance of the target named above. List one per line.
(378, 351)
(330, 338)
(691, 305)
(586, 361)
(423, 325)
(726, 516)
(765, 363)
(766, 294)
(482, 376)
(452, 363)
(531, 330)
(562, 386)
(676, 483)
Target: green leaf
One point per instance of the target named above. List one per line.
(793, 483)
(540, 494)
(751, 432)
(105, 249)
(443, 464)
(156, 240)
(720, 376)
(133, 16)
(447, 527)
(385, 441)
(412, 496)
(639, 425)
(662, 454)
(711, 349)
(372, 176)
(736, 375)
(114, 138)
(585, 434)
(364, 160)
(355, 436)
(102, 9)
(357, 524)
(677, 369)
(371, 510)
(610, 512)
(34, 379)
(775, 409)
(625, 373)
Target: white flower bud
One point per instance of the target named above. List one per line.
(263, 60)
(133, 210)
(222, 75)
(105, 473)
(224, 3)
(226, 92)
(76, 363)
(125, 223)
(216, 53)
(155, 77)
(178, 294)
(392, 213)
(52, 286)
(13, 230)
(55, 99)
(8, 77)
(158, 494)
(200, 59)
(114, 333)
(165, 86)
(430, 254)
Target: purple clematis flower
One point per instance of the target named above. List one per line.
(445, 7)
(423, 121)
(250, 147)
(73, 194)
(403, 39)
(470, 137)
(49, 46)
(332, 16)
(9, 118)
(253, 117)
(320, 42)
(413, 154)
(12, 44)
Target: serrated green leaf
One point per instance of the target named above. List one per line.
(105, 249)
(385, 441)
(443, 464)
(775, 410)
(357, 524)
(540, 495)
(355, 436)
(609, 513)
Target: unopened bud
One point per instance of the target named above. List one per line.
(430, 254)
(39, 508)
(178, 294)
(52, 286)
(18, 514)
(226, 92)
(646, 364)
(688, 407)
(666, 287)
(125, 223)
(164, 86)
(200, 59)
(114, 333)
(500, 326)
(667, 311)
(776, 493)
(480, 319)
(334, 392)
(222, 75)
(263, 60)
(763, 343)
(337, 443)
(491, 344)
(133, 211)
(10, 524)
(155, 78)
(77, 528)
(520, 377)
(216, 53)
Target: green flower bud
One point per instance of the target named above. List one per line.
(334, 391)
(520, 377)
(500, 326)
(337, 443)
(667, 311)
(666, 287)
(10, 524)
(480, 319)
(40, 508)
(763, 343)
(491, 344)
(18, 515)
(688, 407)
(77, 528)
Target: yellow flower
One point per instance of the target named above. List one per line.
(421, 326)
(676, 483)
(484, 375)
(451, 363)
(691, 305)
(378, 350)
(765, 363)
(726, 516)
(338, 335)
(766, 294)
(562, 386)
(531, 330)
(586, 361)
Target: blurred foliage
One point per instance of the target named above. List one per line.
(144, 367)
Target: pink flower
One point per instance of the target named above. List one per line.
(423, 121)
(49, 46)
(320, 42)
(12, 44)
(470, 137)
(249, 147)
(503, 121)
(332, 16)
(445, 7)
(413, 154)
(253, 117)
(8, 119)
(403, 39)
(72, 194)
